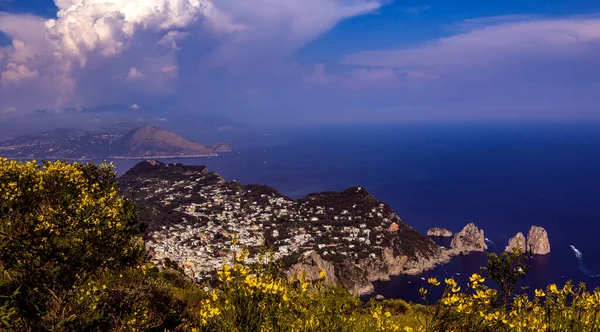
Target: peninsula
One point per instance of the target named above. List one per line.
(138, 143)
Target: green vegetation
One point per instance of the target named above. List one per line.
(72, 259)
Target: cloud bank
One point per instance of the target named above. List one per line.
(519, 66)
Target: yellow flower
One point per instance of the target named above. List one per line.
(476, 278)
(539, 293)
(450, 282)
(433, 281)
(553, 289)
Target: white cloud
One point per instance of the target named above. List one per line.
(355, 79)
(319, 75)
(75, 57)
(17, 73)
(135, 107)
(486, 45)
(134, 74)
(170, 40)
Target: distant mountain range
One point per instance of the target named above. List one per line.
(143, 142)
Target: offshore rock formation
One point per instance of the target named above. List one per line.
(468, 240)
(537, 241)
(437, 231)
(193, 215)
(517, 241)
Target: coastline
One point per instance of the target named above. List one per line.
(163, 157)
(116, 157)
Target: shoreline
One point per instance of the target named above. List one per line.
(113, 157)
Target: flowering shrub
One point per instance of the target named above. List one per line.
(256, 299)
(61, 225)
(552, 309)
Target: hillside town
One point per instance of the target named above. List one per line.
(199, 221)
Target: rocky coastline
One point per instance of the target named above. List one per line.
(199, 221)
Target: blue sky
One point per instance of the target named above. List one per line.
(303, 60)
(403, 23)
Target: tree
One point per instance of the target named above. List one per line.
(506, 269)
(61, 224)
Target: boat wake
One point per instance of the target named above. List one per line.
(582, 266)
(490, 242)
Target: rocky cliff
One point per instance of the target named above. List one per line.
(193, 216)
(437, 231)
(517, 241)
(469, 239)
(537, 241)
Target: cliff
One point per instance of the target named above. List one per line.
(193, 216)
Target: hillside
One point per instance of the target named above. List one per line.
(193, 216)
(154, 142)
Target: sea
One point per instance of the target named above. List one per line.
(502, 176)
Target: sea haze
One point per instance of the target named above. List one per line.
(503, 177)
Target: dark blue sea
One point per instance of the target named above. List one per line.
(504, 177)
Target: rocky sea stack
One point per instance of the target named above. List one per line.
(537, 241)
(468, 240)
(517, 241)
(440, 232)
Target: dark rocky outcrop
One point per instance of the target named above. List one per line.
(310, 266)
(440, 232)
(537, 241)
(468, 240)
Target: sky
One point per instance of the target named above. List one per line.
(299, 61)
